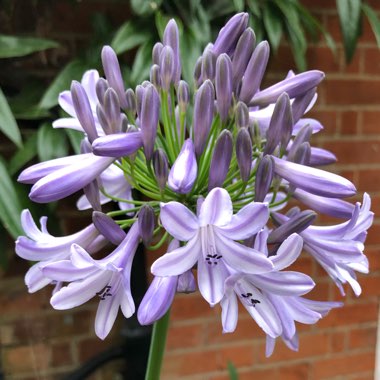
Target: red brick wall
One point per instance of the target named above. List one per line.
(38, 342)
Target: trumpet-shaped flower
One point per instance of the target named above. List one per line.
(211, 241)
(108, 278)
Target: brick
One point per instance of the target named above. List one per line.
(346, 91)
(61, 354)
(355, 152)
(370, 285)
(373, 258)
(372, 61)
(185, 336)
(322, 58)
(329, 120)
(295, 372)
(369, 180)
(189, 306)
(33, 359)
(362, 338)
(251, 374)
(373, 236)
(349, 123)
(348, 364)
(370, 123)
(337, 341)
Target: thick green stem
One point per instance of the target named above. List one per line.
(157, 348)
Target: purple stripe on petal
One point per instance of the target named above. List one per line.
(216, 208)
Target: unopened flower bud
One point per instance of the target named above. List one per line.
(301, 103)
(83, 110)
(223, 85)
(320, 156)
(102, 119)
(113, 74)
(108, 227)
(254, 72)
(85, 146)
(264, 177)
(220, 161)
(230, 33)
(167, 67)
(155, 76)
(139, 96)
(203, 115)
(280, 123)
(296, 224)
(208, 65)
(112, 110)
(243, 53)
(302, 136)
(184, 170)
(101, 88)
(157, 48)
(150, 109)
(244, 153)
(295, 86)
(183, 95)
(130, 101)
(171, 38)
(160, 167)
(242, 115)
(146, 220)
(91, 191)
(302, 154)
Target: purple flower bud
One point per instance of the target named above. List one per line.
(280, 126)
(171, 38)
(186, 282)
(101, 88)
(320, 156)
(91, 191)
(161, 167)
(113, 74)
(117, 144)
(146, 220)
(242, 115)
(301, 103)
(223, 85)
(220, 161)
(157, 299)
(85, 147)
(203, 115)
(243, 52)
(254, 72)
(139, 97)
(198, 72)
(130, 101)
(183, 95)
(302, 154)
(208, 65)
(333, 207)
(302, 136)
(102, 119)
(244, 153)
(124, 123)
(295, 86)
(230, 33)
(167, 67)
(184, 170)
(264, 177)
(108, 227)
(112, 110)
(315, 181)
(155, 76)
(156, 52)
(83, 110)
(150, 109)
(296, 224)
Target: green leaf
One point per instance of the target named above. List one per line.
(75, 138)
(239, 5)
(73, 70)
(128, 36)
(254, 7)
(373, 20)
(349, 12)
(12, 46)
(232, 371)
(273, 25)
(23, 155)
(145, 7)
(51, 143)
(141, 64)
(10, 207)
(8, 123)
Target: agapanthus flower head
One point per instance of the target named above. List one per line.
(213, 164)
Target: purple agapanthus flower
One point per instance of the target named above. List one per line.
(108, 278)
(39, 245)
(212, 242)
